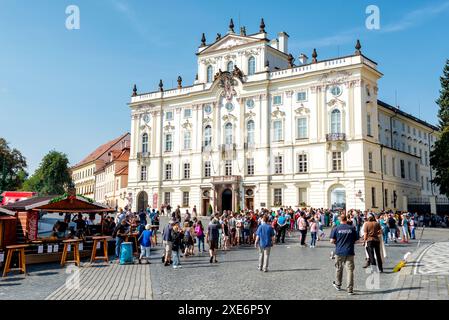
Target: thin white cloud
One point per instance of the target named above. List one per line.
(415, 17)
(409, 20)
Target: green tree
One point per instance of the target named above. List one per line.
(12, 167)
(52, 177)
(439, 156)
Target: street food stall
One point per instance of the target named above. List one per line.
(8, 225)
(48, 248)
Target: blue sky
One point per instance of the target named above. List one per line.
(68, 90)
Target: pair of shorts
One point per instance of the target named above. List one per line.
(168, 245)
(213, 244)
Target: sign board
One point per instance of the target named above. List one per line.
(40, 249)
(50, 248)
(55, 248)
(154, 200)
(32, 225)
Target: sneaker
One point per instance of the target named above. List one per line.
(260, 269)
(175, 267)
(266, 270)
(336, 286)
(350, 292)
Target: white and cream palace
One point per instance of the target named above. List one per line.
(258, 130)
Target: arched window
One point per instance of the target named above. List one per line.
(210, 71)
(250, 132)
(145, 142)
(207, 136)
(230, 66)
(251, 65)
(336, 121)
(228, 133)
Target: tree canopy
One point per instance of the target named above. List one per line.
(12, 167)
(52, 177)
(439, 156)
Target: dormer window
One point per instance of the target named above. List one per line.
(251, 66)
(210, 73)
(230, 66)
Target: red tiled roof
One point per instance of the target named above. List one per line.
(100, 151)
(122, 172)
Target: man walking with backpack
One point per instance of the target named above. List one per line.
(344, 237)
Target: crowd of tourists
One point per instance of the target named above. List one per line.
(187, 234)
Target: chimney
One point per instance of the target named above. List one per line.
(303, 59)
(283, 42)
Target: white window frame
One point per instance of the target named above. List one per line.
(186, 170)
(298, 129)
(278, 164)
(302, 160)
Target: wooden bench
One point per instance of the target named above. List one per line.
(74, 243)
(100, 239)
(20, 248)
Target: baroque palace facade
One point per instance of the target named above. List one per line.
(257, 130)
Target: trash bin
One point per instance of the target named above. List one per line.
(126, 253)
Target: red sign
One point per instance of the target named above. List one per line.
(32, 225)
(154, 200)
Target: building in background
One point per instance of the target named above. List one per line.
(257, 130)
(83, 173)
(111, 180)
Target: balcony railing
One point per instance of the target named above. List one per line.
(335, 137)
(143, 155)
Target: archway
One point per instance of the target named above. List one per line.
(226, 200)
(142, 201)
(337, 197)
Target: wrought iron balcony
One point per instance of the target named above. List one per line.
(336, 137)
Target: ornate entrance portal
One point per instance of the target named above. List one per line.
(226, 193)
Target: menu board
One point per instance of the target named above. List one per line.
(32, 225)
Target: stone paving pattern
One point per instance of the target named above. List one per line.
(295, 273)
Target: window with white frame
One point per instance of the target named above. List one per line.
(187, 113)
(210, 74)
(336, 161)
(230, 66)
(277, 100)
(277, 197)
(167, 198)
(250, 166)
(168, 171)
(228, 134)
(301, 96)
(145, 143)
(187, 170)
(169, 115)
(302, 163)
(207, 136)
(207, 169)
(168, 142)
(278, 165)
(277, 130)
(373, 197)
(228, 168)
(251, 66)
(187, 140)
(301, 128)
(185, 198)
(302, 195)
(143, 173)
(250, 126)
(336, 121)
(370, 161)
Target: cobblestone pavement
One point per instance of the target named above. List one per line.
(107, 282)
(295, 273)
(428, 272)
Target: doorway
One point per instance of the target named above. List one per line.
(205, 207)
(226, 200)
(142, 201)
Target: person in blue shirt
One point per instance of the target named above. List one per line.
(264, 237)
(344, 237)
(283, 224)
(145, 243)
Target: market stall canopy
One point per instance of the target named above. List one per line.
(22, 205)
(71, 204)
(6, 214)
(62, 204)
